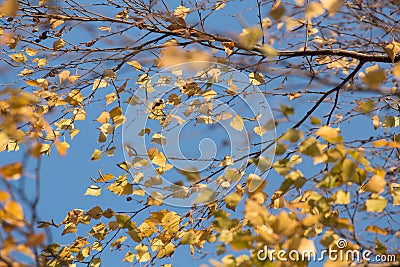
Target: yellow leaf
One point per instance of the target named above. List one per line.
(392, 49)
(332, 5)
(79, 114)
(139, 192)
(35, 240)
(4, 196)
(159, 159)
(135, 64)
(204, 119)
(73, 133)
(30, 51)
(170, 222)
(41, 62)
(104, 28)
(228, 161)
(104, 117)
(9, 8)
(313, 10)
(14, 213)
(376, 205)
(117, 117)
(380, 143)
(376, 184)
(181, 12)
(374, 76)
(96, 155)
(256, 78)
(129, 257)
(18, 57)
(396, 70)
(93, 190)
(294, 95)
(376, 229)
(96, 262)
(142, 253)
(376, 121)
(73, 78)
(269, 51)
(109, 74)
(260, 130)
(332, 135)
(209, 94)
(74, 97)
(237, 123)
(62, 148)
(57, 45)
(54, 23)
(26, 72)
(158, 139)
(11, 171)
(228, 46)
(306, 245)
(250, 36)
(341, 197)
(63, 75)
(99, 83)
(110, 98)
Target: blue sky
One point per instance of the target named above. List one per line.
(65, 179)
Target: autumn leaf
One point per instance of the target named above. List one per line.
(18, 57)
(11, 171)
(93, 190)
(332, 135)
(135, 64)
(9, 8)
(392, 49)
(237, 123)
(57, 45)
(96, 155)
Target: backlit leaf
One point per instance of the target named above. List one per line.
(19, 58)
(11, 171)
(237, 123)
(392, 49)
(93, 190)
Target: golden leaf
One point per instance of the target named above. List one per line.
(30, 51)
(9, 8)
(57, 45)
(96, 155)
(18, 57)
(93, 190)
(313, 10)
(396, 70)
(99, 83)
(256, 78)
(228, 46)
(111, 97)
(237, 123)
(62, 148)
(392, 49)
(332, 5)
(54, 23)
(14, 213)
(181, 12)
(11, 171)
(63, 75)
(135, 64)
